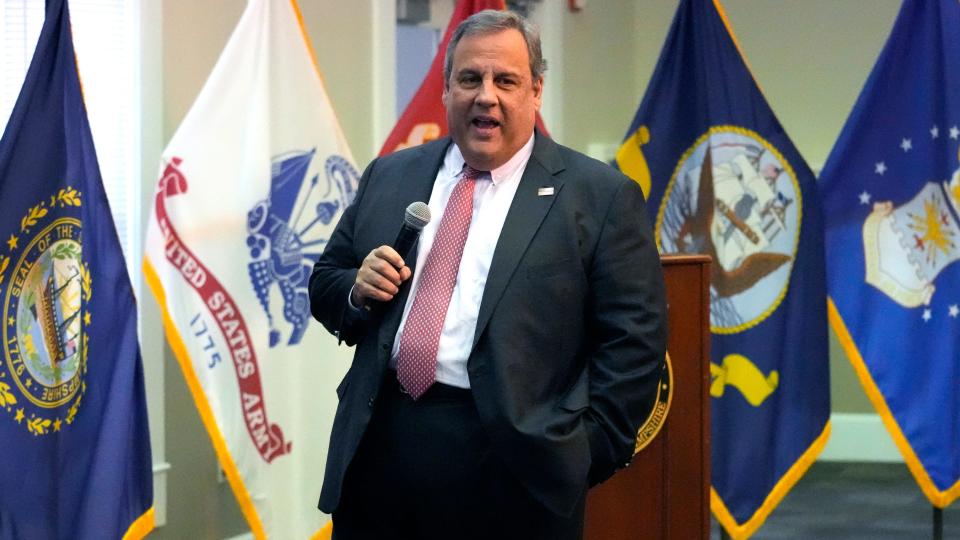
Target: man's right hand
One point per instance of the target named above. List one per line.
(379, 277)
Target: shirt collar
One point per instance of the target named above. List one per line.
(454, 161)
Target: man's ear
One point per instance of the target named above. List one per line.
(538, 90)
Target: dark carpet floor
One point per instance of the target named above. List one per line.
(855, 501)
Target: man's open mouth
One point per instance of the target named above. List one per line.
(485, 123)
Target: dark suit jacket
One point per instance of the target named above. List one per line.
(571, 331)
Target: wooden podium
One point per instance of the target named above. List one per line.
(665, 493)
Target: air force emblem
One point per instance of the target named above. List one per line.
(288, 230)
(906, 247)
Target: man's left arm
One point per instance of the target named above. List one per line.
(628, 329)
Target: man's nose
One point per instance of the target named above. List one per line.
(487, 94)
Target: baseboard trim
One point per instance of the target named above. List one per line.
(860, 437)
(160, 471)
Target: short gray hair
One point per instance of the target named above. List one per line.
(490, 21)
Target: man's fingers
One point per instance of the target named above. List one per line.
(389, 255)
(381, 274)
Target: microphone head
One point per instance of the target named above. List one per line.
(417, 215)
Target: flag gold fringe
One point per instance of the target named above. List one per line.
(142, 526)
(325, 533)
(203, 406)
(938, 498)
(779, 491)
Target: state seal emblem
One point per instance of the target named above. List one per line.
(45, 288)
(661, 407)
(734, 197)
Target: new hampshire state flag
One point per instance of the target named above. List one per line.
(251, 186)
(891, 191)
(74, 442)
(724, 179)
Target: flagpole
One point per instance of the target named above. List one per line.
(937, 523)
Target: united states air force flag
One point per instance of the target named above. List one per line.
(74, 444)
(251, 185)
(723, 179)
(891, 190)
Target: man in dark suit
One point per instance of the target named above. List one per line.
(515, 367)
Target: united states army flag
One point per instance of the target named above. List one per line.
(251, 186)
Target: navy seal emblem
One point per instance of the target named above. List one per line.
(46, 288)
(736, 198)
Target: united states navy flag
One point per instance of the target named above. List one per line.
(723, 179)
(891, 190)
(74, 446)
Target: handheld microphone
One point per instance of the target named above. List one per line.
(414, 220)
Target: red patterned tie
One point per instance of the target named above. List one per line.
(417, 356)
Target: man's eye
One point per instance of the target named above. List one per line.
(469, 81)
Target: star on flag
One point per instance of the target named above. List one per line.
(864, 198)
(906, 144)
(954, 132)
(934, 132)
(880, 168)
(927, 315)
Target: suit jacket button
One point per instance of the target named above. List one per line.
(370, 402)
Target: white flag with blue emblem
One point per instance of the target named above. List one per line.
(251, 186)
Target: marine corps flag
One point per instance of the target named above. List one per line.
(251, 186)
(74, 442)
(425, 118)
(891, 190)
(724, 179)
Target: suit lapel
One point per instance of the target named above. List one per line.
(527, 211)
(415, 184)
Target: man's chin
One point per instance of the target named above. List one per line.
(482, 154)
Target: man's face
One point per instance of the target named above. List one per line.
(491, 97)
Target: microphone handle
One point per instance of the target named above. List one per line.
(405, 240)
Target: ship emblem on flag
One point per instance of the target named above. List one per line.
(283, 239)
(46, 309)
(74, 434)
(736, 198)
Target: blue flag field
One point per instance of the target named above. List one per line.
(724, 179)
(891, 192)
(73, 424)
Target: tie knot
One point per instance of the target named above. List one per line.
(469, 173)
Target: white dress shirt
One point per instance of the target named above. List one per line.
(491, 202)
